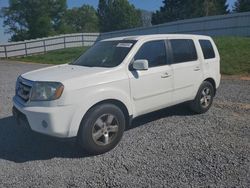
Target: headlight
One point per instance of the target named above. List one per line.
(46, 91)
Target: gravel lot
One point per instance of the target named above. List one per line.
(168, 148)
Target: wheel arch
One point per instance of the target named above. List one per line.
(115, 102)
(212, 81)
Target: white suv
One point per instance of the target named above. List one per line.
(116, 80)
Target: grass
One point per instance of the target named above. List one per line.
(235, 55)
(234, 52)
(55, 57)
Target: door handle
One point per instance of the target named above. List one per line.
(165, 75)
(197, 68)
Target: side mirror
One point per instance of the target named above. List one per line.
(140, 64)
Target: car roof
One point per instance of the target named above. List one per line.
(155, 36)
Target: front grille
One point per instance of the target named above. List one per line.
(23, 88)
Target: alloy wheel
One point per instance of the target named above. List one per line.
(206, 97)
(105, 129)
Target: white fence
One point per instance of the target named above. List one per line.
(43, 45)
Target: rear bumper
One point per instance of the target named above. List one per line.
(218, 81)
(52, 121)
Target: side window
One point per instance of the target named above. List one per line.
(154, 52)
(183, 50)
(207, 49)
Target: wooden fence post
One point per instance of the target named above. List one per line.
(25, 44)
(44, 47)
(5, 52)
(64, 41)
(82, 40)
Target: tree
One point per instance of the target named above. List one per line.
(83, 19)
(214, 7)
(27, 19)
(117, 15)
(222, 7)
(57, 12)
(146, 18)
(242, 6)
(173, 10)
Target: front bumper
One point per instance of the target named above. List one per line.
(52, 121)
(20, 118)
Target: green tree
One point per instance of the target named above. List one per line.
(173, 10)
(57, 13)
(222, 7)
(214, 7)
(117, 15)
(83, 19)
(242, 6)
(27, 19)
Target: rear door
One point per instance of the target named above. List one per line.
(186, 67)
(211, 59)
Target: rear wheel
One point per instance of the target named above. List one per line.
(102, 128)
(203, 99)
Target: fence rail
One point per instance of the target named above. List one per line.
(43, 45)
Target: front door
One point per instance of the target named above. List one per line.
(152, 89)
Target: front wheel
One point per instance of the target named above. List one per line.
(203, 99)
(102, 128)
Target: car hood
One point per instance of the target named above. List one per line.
(61, 73)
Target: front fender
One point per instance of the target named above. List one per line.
(90, 97)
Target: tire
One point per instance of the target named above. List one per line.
(203, 99)
(101, 128)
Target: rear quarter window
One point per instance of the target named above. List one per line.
(207, 49)
(183, 50)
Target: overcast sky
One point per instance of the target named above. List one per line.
(142, 4)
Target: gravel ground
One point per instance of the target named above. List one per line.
(168, 148)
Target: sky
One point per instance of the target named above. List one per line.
(150, 5)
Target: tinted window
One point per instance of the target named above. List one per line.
(154, 52)
(105, 54)
(207, 49)
(183, 50)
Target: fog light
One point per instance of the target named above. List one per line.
(44, 124)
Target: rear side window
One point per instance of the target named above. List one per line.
(207, 49)
(183, 50)
(154, 52)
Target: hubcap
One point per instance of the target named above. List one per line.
(105, 129)
(205, 97)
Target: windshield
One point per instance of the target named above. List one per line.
(105, 54)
